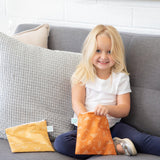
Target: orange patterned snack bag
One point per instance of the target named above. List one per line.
(93, 135)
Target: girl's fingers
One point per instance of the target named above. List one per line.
(99, 111)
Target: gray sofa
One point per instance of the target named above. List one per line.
(143, 63)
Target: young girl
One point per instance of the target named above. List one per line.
(101, 84)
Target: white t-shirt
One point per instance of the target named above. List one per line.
(104, 92)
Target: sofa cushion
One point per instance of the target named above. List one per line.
(6, 154)
(143, 63)
(37, 36)
(35, 85)
(139, 156)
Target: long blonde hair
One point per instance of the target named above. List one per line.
(85, 70)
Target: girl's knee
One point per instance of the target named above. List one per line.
(59, 143)
(65, 143)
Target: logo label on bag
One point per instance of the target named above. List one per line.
(74, 121)
(49, 128)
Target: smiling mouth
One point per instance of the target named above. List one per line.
(103, 62)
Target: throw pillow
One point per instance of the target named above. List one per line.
(37, 36)
(93, 135)
(31, 137)
(35, 85)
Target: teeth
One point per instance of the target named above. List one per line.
(103, 62)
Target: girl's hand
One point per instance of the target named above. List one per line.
(101, 110)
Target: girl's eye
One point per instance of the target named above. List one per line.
(109, 52)
(98, 51)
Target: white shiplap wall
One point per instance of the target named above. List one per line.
(140, 16)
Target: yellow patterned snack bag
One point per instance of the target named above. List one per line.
(31, 137)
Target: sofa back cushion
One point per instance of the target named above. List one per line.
(143, 63)
(35, 85)
(61, 38)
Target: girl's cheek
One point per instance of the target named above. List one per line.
(111, 60)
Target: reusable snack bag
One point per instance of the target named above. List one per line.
(30, 137)
(93, 135)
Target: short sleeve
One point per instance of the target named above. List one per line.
(124, 84)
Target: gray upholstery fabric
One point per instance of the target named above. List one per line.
(6, 154)
(143, 63)
(35, 85)
(122, 157)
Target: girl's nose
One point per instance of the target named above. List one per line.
(104, 55)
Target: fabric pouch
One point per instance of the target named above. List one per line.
(93, 135)
(31, 137)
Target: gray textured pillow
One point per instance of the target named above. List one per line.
(35, 85)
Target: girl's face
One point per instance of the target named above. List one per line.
(102, 59)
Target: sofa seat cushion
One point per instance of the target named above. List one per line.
(35, 85)
(123, 157)
(6, 154)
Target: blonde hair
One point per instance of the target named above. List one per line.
(85, 70)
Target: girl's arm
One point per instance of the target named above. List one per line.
(120, 110)
(78, 98)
